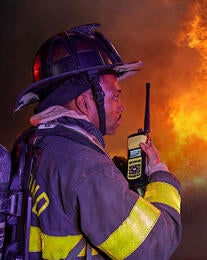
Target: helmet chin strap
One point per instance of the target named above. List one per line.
(98, 95)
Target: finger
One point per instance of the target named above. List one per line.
(151, 152)
(144, 147)
(155, 151)
(148, 151)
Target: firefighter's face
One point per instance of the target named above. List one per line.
(112, 103)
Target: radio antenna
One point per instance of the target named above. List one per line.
(147, 110)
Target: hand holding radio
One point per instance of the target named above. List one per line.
(154, 162)
(143, 157)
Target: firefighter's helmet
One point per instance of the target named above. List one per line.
(70, 55)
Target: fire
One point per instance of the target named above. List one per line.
(189, 116)
(187, 106)
(179, 127)
(188, 110)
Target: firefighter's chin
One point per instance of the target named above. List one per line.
(112, 129)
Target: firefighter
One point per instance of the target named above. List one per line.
(82, 206)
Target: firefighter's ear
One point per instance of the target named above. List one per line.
(82, 103)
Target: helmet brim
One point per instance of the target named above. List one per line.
(31, 93)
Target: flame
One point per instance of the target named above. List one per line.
(187, 108)
(183, 145)
(188, 111)
(189, 116)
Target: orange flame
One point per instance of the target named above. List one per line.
(188, 111)
(183, 145)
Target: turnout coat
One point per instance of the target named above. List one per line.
(82, 206)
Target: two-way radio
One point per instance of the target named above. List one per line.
(136, 170)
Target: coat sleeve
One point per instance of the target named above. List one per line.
(123, 224)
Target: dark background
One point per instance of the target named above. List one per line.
(170, 37)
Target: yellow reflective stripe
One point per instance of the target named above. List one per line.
(54, 247)
(83, 252)
(35, 240)
(133, 231)
(163, 193)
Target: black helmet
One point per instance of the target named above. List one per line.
(75, 51)
(70, 55)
